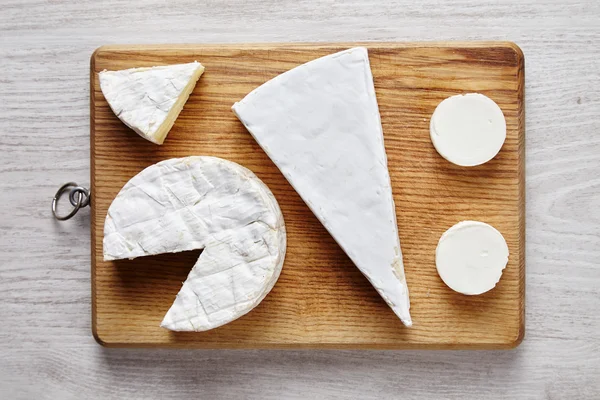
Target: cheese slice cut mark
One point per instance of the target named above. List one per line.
(149, 100)
(320, 124)
(202, 203)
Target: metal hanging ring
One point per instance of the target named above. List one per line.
(83, 196)
(79, 191)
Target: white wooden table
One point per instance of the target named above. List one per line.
(46, 347)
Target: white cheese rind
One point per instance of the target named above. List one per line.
(202, 203)
(471, 256)
(468, 130)
(320, 125)
(148, 100)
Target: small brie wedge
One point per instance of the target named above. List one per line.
(471, 256)
(320, 125)
(148, 100)
(202, 203)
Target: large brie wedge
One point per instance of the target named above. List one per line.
(202, 203)
(148, 100)
(320, 125)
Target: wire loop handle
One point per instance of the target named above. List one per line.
(79, 197)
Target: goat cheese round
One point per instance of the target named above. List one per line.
(468, 130)
(471, 256)
(202, 203)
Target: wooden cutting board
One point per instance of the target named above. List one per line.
(321, 299)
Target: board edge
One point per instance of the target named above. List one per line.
(92, 87)
(520, 56)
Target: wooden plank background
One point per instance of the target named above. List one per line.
(321, 300)
(47, 350)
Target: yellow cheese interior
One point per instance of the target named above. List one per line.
(161, 133)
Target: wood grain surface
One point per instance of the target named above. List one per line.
(321, 299)
(47, 350)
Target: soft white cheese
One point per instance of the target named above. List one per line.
(320, 125)
(148, 100)
(471, 256)
(202, 203)
(468, 130)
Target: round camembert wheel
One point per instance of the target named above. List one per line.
(202, 203)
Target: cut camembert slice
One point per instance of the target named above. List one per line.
(320, 125)
(148, 100)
